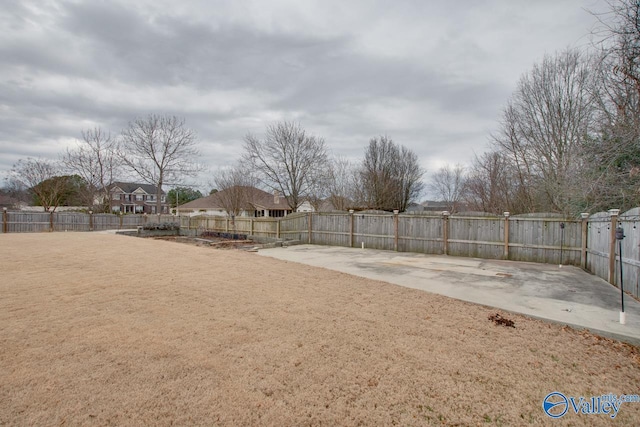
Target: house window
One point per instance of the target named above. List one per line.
(115, 208)
(139, 197)
(115, 196)
(151, 197)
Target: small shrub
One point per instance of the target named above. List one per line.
(162, 226)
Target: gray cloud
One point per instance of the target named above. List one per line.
(432, 76)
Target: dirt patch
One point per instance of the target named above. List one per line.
(112, 330)
(212, 242)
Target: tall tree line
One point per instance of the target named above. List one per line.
(569, 137)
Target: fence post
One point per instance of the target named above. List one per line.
(145, 218)
(251, 227)
(583, 251)
(226, 225)
(445, 232)
(612, 245)
(5, 220)
(278, 228)
(90, 220)
(310, 226)
(351, 228)
(506, 234)
(120, 224)
(395, 229)
(51, 221)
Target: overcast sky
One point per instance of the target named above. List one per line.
(432, 75)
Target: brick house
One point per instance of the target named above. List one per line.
(129, 197)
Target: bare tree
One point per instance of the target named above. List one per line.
(378, 176)
(489, 186)
(390, 176)
(618, 36)
(341, 183)
(449, 184)
(42, 178)
(410, 175)
(612, 156)
(234, 188)
(288, 160)
(16, 191)
(544, 128)
(159, 149)
(95, 161)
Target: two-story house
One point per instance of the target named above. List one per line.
(129, 197)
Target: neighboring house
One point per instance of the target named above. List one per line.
(306, 206)
(258, 203)
(129, 197)
(433, 206)
(324, 206)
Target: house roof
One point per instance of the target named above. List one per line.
(130, 187)
(256, 198)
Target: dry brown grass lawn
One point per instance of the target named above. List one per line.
(109, 330)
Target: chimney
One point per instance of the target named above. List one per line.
(276, 197)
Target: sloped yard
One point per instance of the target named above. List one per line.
(110, 330)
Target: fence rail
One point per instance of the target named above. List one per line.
(588, 242)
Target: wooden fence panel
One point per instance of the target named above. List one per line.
(476, 237)
(136, 220)
(204, 223)
(598, 238)
(240, 225)
(376, 231)
(106, 222)
(539, 240)
(295, 227)
(28, 222)
(265, 227)
(629, 221)
(164, 218)
(422, 234)
(70, 222)
(331, 229)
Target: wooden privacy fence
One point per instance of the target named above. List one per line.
(30, 222)
(262, 227)
(520, 238)
(603, 256)
(546, 239)
(588, 242)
